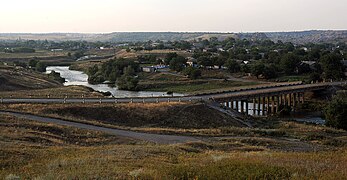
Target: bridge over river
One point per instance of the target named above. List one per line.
(263, 99)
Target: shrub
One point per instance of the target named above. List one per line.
(336, 112)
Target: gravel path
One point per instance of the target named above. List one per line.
(156, 138)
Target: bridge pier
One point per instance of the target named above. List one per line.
(264, 108)
(278, 103)
(273, 104)
(268, 110)
(237, 106)
(247, 107)
(259, 106)
(242, 106)
(254, 107)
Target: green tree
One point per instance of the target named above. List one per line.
(192, 73)
(336, 112)
(270, 71)
(129, 71)
(258, 69)
(205, 61)
(232, 66)
(126, 82)
(289, 63)
(40, 66)
(177, 63)
(33, 62)
(332, 66)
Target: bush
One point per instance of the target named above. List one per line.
(192, 73)
(127, 82)
(336, 112)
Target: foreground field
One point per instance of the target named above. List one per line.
(32, 150)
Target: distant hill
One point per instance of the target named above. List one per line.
(313, 36)
(295, 37)
(127, 36)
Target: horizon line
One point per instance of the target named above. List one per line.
(220, 32)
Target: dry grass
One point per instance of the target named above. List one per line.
(163, 115)
(59, 92)
(31, 150)
(17, 78)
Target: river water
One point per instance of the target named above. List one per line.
(78, 78)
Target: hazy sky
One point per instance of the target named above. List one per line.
(171, 15)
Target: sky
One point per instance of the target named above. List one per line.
(105, 16)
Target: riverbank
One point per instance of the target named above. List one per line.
(78, 78)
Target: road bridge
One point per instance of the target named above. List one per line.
(253, 100)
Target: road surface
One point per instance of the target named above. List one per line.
(155, 138)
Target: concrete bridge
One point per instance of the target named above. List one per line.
(253, 100)
(266, 101)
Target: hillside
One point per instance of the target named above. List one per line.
(298, 37)
(124, 36)
(303, 37)
(17, 78)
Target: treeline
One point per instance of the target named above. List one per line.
(266, 59)
(120, 72)
(45, 44)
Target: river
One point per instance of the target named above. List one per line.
(78, 78)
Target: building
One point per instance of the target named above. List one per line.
(192, 62)
(149, 69)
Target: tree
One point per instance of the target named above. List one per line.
(178, 63)
(169, 57)
(33, 62)
(258, 69)
(336, 112)
(40, 66)
(204, 61)
(270, 71)
(289, 63)
(129, 71)
(233, 66)
(192, 73)
(78, 54)
(126, 82)
(332, 66)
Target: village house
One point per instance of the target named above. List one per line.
(192, 62)
(149, 69)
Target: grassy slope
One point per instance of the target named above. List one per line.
(35, 150)
(12, 78)
(164, 115)
(59, 92)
